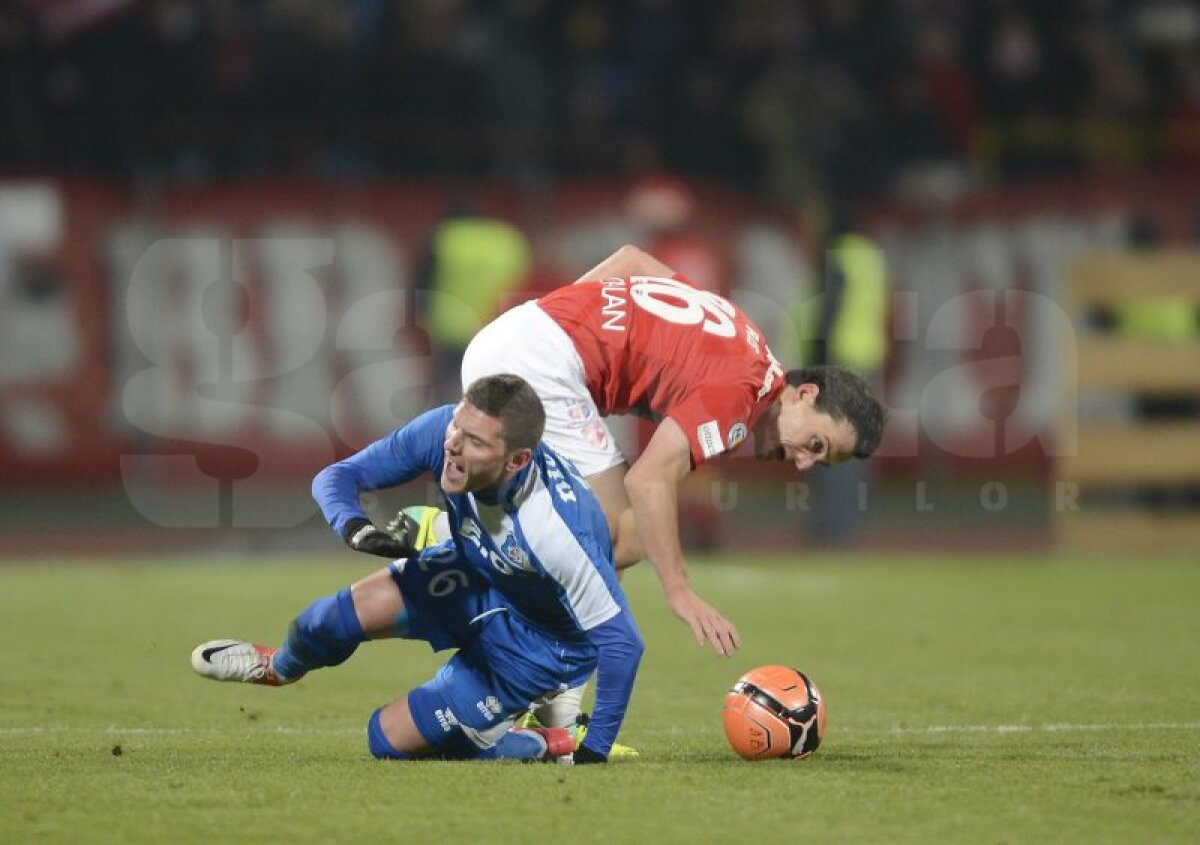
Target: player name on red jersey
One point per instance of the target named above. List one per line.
(660, 347)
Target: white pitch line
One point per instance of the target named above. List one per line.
(1051, 728)
(169, 731)
(926, 730)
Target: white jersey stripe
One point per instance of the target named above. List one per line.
(565, 560)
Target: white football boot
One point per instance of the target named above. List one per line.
(236, 660)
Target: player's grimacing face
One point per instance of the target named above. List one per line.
(475, 456)
(804, 435)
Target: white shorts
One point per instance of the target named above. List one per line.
(525, 341)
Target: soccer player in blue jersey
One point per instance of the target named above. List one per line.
(524, 588)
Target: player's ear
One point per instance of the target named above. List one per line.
(808, 392)
(519, 459)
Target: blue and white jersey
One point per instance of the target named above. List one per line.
(541, 540)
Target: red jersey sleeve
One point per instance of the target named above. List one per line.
(715, 420)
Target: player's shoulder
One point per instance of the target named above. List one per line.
(559, 478)
(561, 514)
(552, 466)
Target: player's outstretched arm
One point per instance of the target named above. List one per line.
(387, 462)
(619, 646)
(653, 487)
(629, 260)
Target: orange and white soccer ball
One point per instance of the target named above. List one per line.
(774, 711)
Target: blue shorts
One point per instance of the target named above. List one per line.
(503, 665)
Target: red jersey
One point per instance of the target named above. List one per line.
(660, 347)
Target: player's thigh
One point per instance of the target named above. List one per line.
(431, 596)
(609, 487)
(466, 707)
(442, 598)
(498, 673)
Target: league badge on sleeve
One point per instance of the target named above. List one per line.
(736, 435)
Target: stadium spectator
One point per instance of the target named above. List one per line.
(473, 264)
(661, 210)
(849, 328)
(525, 588)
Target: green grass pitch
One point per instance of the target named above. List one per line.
(975, 700)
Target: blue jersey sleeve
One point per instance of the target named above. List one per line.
(401, 456)
(620, 649)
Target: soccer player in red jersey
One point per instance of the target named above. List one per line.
(631, 337)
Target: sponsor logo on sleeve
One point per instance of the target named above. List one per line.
(708, 435)
(736, 435)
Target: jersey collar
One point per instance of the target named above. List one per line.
(512, 492)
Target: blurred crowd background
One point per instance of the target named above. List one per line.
(780, 97)
(239, 239)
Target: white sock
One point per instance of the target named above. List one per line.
(561, 711)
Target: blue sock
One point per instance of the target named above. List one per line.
(516, 745)
(381, 747)
(325, 634)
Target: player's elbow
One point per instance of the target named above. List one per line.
(323, 481)
(637, 260)
(635, 480)
(647, 484)
(320, 482)
(657, 468)
(631, 252)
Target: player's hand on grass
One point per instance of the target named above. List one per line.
(707, 624)
(392, 542)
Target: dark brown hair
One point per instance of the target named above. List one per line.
(511, 400)
(846, 396)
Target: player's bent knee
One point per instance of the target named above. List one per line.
(380, 746)
(468, 735)
(331, 625)
(627, 544)
(627, 550)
